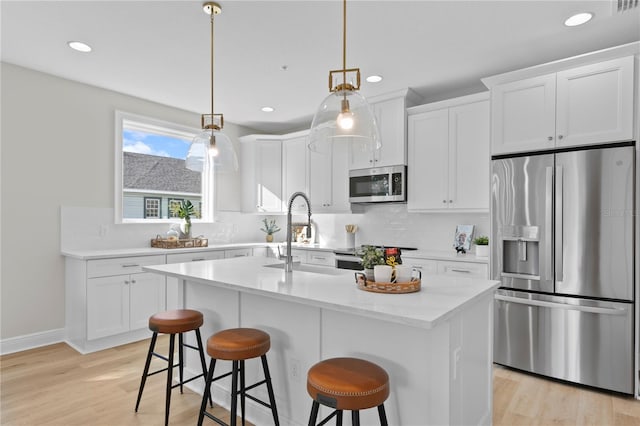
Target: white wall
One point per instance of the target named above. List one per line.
(57, 143)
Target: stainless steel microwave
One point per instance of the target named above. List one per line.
(378, 185)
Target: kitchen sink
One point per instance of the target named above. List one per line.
(302, 267)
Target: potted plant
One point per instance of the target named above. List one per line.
(270, 228)
(371, 256)
(482, 246)
(185, 210)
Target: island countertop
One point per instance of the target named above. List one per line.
(439, 299)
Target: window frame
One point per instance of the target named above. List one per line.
(169, 201)
(159, 200)
(152, 125)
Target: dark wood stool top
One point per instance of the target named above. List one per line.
(348, 383)
(237, 344)
(176, 321)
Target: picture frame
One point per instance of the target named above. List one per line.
(463, 238)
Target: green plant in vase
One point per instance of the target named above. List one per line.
(185, 210)
(371, 256)
(270, 227)
(482, 246)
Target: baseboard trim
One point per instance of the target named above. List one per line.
(30, 341)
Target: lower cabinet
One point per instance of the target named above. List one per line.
(445, 267)
(123, 303)
(323, 258)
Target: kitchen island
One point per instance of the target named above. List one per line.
(435, 344)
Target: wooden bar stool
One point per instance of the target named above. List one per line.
(347, 384)
(238, 345)
(173, 322)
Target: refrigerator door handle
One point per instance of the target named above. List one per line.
(545, 304)
(548, 223)
(559, 225)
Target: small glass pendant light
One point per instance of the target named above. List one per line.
(344, 114)
(211, 146)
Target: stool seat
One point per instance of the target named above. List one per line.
(237, 344)
(176, 321)
(348, 383)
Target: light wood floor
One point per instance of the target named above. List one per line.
(55, 385)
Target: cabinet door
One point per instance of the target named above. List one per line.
(390, 117)
(469, 156)
(107, 306)
(294, 158)
(595, 103)
(426, 266)
(465, 269)
(320, 181)
(340, 179)
(523, 115)
(146, 297)
(428, 153)
(241, 252)
(269, 175)
(324, 258)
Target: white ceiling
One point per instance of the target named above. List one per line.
(159, 50)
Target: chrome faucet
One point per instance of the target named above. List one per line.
(288, 266)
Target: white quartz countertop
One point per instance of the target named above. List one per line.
(443, 255)
(150, 251)
(440, 297)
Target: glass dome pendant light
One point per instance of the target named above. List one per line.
(344, 114)
(212, 146)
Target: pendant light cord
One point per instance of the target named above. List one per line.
(212, 56)
(344, 42)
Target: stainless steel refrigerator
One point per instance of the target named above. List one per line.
(562, 227)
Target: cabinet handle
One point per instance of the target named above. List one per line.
(444, 201)
(133, 281)
(550, 138)
(371, 161)
(560, 137)
(239, 255)
(130, 265)
(466, 271)
(197, 259)
(126, 282)
(451, 201)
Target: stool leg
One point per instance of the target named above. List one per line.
(181, 359)
(383, 415)
(314, 413)
(203, 362)
(242, 391)
(172, 341)
(272, 398)
(339, 418)
(207, 391)
(355, 418)
(234, 393)
(152, 346)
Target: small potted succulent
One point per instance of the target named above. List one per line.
(482, 246)
(185, 210)
(270, 227)
(371, 256)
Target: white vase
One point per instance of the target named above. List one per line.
(482, 251)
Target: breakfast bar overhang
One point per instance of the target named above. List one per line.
(435, 344)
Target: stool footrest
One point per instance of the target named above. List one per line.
(188, 380)
(329, 417)
(253, 398)
(215, 419)
(255, 385)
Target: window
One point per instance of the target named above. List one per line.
(151, 177)
(174, 203)
(152, 208)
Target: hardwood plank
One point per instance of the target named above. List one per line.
(57, 386)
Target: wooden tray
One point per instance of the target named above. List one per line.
(390, 288)
(160, 242)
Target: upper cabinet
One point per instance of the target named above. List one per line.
(329, 180)
(583, 105)
(391, 118)
(261, 174)
(449, 155)
(294, 171)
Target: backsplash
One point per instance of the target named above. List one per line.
(86, 228)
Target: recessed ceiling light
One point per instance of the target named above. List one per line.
(374, 78)
(79, 46)
(268, 109)
(578, 19)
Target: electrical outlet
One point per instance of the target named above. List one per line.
(103, 230)
(295, 369)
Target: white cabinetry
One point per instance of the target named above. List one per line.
(583, 105)
(109, 301)
(261, 174)
(239, 252)
(324, 258)
(448, 267)
(391, 118)
(294, 170)
(449, 155)
(174, 293)
(329, 180)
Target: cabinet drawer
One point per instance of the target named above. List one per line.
(195, 256)
(121, 265)
(321, 258)
(243, 252)
(426, 266)
(463, 269)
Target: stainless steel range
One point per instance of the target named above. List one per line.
(349, 258)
